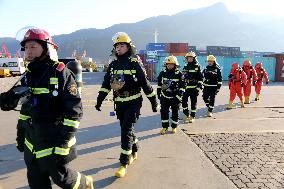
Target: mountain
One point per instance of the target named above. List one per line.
(213, 25)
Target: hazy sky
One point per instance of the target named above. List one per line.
(66, 16)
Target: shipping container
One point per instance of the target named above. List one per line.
(235, 49)
(257, 54)
(202, 52)
(279, 68)
(156, 46)
(215, 53)
(142, 57)
(192, 48)
(148, 70)
(178, 54)
(225, 51)
(213, 48)
(235, 52)
(268, 53)
(177, 47)
(163, 54)
(247, 54)
(142, 52)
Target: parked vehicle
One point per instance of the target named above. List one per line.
(14, 65)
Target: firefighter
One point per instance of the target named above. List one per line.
(76, 68)
(193, 81)
(126, 76)
(251, 78)
(170, 90)
(49, 116)
(236, 79)
(261, 73)
(212, 83)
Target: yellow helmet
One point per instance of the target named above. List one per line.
(171, 60)
(121, 37)
(211, 58)
(191, 53)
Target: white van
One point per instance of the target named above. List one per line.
(15, 65)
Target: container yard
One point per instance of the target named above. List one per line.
(155, 53)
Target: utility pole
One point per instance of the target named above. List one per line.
(156, 35)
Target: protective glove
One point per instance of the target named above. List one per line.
(20, 136)
(154, 105)
(98, 107)
(159, 93)
(217, 91)
(154, 108)
(20, 147)
(8, 101)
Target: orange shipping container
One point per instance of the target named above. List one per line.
(177, 47)
(178, 54)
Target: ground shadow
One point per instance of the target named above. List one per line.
(106, 181)
(11, 160)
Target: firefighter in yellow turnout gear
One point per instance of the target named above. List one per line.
(212, 83)
(126, 76)
(170, 90)
(193, 80)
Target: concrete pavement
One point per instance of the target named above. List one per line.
(169, 161)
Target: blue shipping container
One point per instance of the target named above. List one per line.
(142, 52)
(156, 46)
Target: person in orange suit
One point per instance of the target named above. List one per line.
(261, 73)
(251, 78)
(236, 79)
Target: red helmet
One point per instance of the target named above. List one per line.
(38, 34)
(258, 65)
(246, 63)
(235, 66)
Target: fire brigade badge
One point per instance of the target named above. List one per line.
(73, 89)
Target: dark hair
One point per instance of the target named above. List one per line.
(43, 44)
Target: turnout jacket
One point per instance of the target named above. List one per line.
(212, 76)
(192, 75)
(170, 84)
(130, 71)
(49, 118)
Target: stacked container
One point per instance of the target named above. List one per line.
(192, 48)
(214, 50)
(224, 51)
(159, 47)
(235, 52)
(201, 52)
(177, 49)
